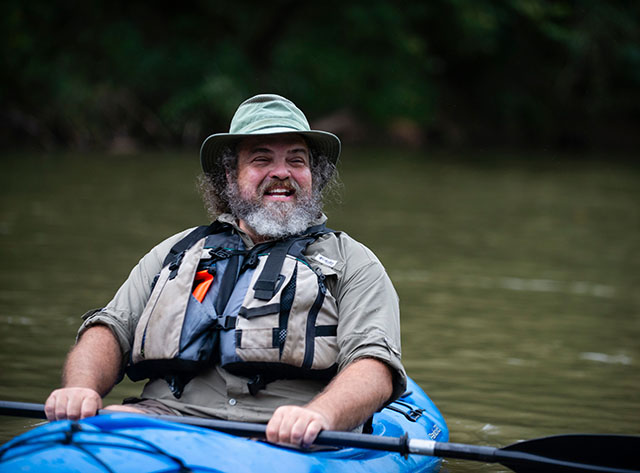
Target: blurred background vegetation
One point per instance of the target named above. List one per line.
(126, 75)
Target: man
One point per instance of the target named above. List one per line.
(264, 316)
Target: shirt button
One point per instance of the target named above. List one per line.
(232, 402)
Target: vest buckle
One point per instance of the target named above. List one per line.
(220, 253)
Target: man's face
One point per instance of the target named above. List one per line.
(274, 169)
(271, 192)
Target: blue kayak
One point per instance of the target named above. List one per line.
(122, 442)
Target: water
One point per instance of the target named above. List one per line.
(517, 276)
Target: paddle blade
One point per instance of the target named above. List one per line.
(595, 452)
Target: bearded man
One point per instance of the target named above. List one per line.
(266, 315)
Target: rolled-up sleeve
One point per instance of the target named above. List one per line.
(122, 313)
(369, 315)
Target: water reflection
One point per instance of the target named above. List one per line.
(517, 278)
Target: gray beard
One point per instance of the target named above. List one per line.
(275, 220)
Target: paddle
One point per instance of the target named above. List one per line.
(561, 453)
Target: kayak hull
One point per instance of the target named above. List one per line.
(132, 443)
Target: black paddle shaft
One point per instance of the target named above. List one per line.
(22, 409)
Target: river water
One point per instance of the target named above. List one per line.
(517, 275)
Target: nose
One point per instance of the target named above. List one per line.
(280, 170)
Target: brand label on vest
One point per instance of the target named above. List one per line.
(326, 261)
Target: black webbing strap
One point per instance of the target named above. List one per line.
(259, 382)
(266, 284)
(310, 340)
(188, 241)
(225, 322)
(259, 311)
(286, 302)
(228, 283)
(326, 330)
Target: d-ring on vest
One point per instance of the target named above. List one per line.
(266, 313)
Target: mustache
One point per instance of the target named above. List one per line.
(274, 183)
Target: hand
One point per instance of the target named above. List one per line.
(295, 425)
(72, 403)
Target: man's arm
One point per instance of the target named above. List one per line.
(348, 401)
(91, 370)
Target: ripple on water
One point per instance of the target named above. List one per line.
(605, 358)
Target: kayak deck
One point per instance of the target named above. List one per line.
(122, 442)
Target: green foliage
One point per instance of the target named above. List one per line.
(461, 71)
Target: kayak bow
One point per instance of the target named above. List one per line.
(121, 442)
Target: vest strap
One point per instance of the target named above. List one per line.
(226, 322)
(260, 381)
(188, 241)
(229, 280)
(267, 284)
(326, 330)
(311, 330)
(257, 383)
(259, 311)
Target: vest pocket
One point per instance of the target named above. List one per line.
(199, 338)
(256, 344)
(254, 332)
(297, 326)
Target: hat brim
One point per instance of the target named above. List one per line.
(321, 142)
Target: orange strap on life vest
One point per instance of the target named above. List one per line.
(201, 284)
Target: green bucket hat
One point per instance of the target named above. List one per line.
(267, 114)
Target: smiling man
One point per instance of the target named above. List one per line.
(266, 315)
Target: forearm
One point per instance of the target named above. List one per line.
(94, 362)
(91, 370)
(354, 394)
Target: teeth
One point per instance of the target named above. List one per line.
(278, 192)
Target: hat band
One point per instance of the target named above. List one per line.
(258, 125)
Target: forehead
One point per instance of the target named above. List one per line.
(288, 141)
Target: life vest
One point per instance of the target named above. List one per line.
(263, 313)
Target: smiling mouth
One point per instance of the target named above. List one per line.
(280, 192)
